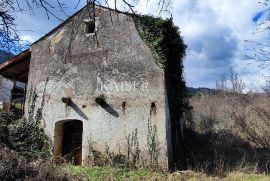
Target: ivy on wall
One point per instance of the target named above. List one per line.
(154, 31)
(168, 47)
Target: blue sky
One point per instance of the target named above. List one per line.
(214, 31)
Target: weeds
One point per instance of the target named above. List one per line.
(152, 145)
(133, 150)
(13, 166)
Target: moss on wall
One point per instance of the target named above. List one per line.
(168, 48)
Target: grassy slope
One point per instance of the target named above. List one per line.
(105, 173)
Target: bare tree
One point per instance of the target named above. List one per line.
(233, 84)
(266, 87)
(236, 82)
(8, 30)
(260, 51)
(9, 33)
(221, 84)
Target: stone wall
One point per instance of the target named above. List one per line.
(114, 65)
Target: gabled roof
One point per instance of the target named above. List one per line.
(17, 67)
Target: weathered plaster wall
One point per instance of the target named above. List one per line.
(69, 63)
(5, 89)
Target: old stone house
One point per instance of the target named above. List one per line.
(96, 86)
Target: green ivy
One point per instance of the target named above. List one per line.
(168, 47)
(154, 31)
(28, 138)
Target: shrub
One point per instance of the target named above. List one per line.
(5, 120)
(14, 166)
(28, 138)
(229, 129)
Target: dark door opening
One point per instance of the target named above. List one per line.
(72, 141)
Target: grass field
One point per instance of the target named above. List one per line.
(106, 173)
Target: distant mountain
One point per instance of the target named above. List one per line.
(4, 56)
(194, 91)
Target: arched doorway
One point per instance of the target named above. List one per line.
(68, 140)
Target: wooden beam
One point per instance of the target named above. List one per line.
(22, 74)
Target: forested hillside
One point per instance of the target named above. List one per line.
(4, 56)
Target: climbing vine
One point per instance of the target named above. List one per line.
(154, 31)
(152, 144)
(168, 47)
(26, 135)
(32, 103)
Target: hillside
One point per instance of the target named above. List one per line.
(4, 56)
(193, 91)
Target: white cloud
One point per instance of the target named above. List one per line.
(28, 38)
(215, 32)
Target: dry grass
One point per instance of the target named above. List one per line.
(14, 166)
(229, 132)
(245, 116)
